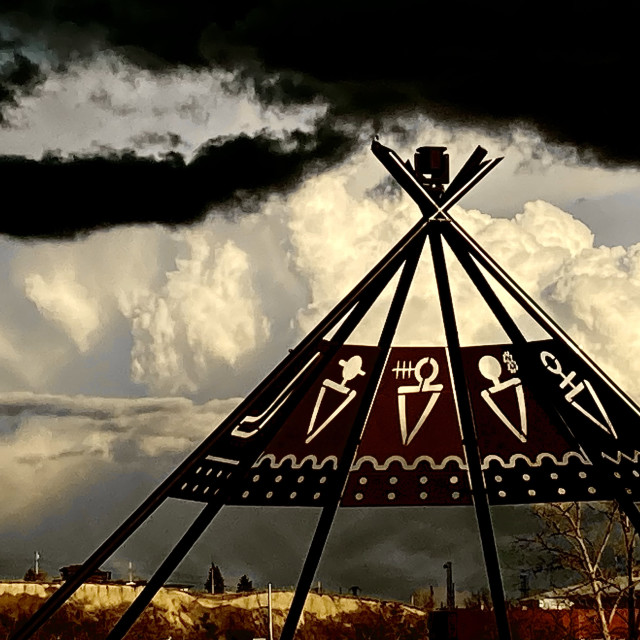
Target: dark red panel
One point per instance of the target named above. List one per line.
(318, 427)
(413, 415)
(411, 451)
(298, 465)
(510, 423)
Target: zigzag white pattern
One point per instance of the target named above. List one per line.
(618, 458)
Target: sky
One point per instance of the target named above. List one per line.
(188, 189)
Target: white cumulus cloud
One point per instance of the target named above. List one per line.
(67, 303)
(206, 312)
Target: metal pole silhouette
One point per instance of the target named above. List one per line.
(469, 439)
(328, 512)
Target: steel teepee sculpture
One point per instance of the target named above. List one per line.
(339, 424)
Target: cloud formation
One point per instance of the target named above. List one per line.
(363, 67)
(67, 303)
(59, 446)
(74, 195)
(469, 65)
(207, 311)
(19, 75)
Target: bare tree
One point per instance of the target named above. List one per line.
(582, 538)
(626, 545)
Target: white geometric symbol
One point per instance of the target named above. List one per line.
(553, 365)
(507, 358)
(423, 385)
(250, 425)
(491, 369)
(350, 369)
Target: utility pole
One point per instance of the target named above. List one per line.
(270, 612)
(451, 594)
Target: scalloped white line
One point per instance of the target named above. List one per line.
(405, 465)
(274, 464)
(538, 462)
(505, 464)
(510, 464)
(378, 466)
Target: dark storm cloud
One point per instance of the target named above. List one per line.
(75, 195)
(566, 69)
(18, 76)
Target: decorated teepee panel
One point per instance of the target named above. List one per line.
(411, 451)
(301, 454)
(599, 414)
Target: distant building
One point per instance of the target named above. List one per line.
(178, 585)
(581, 595)
(97, 576)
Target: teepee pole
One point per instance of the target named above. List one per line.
(163, 572)
(474, 170)
(461, 248)
(327, 516)
(469, 438)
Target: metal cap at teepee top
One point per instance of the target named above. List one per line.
(431, 166)
(339, 425)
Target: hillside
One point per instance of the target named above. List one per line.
(95, 608)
